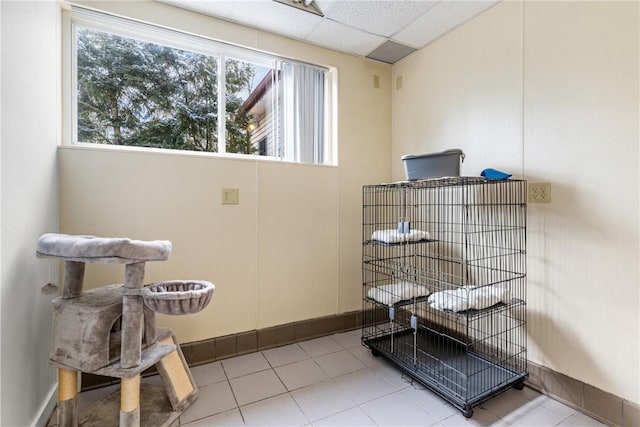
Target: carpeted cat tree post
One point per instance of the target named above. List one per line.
(111, 330)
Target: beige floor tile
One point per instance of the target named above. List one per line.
(364, 355)
(334, 381)
(515, 402)
(350, 417)
(578, 419)
(322, 400)
(527, 407)
(340, 363)
(481, 417)
(230, 418)
(381, 367)
(212, 399)
(435, 405)
(258, 386)
(244, 365)
(275, 411)
(397, 410)
(364, 386)
(349, 339)
(284, 355)
(301, 374)
(210, 373)
(320, 346)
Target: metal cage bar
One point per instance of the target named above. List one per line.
(444, 283)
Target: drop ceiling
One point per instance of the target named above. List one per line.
(383, 30)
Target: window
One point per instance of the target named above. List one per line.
(139, 85)
(262, 146)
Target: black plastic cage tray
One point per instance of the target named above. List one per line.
(446, 367)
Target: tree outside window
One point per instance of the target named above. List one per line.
(132, 92)
(145, 86)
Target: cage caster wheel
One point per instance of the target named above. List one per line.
(375, 353)
(519, 385)
(468, 413)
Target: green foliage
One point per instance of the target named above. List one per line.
(137, 93)
(239, 76)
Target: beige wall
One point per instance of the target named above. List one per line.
(29, 58)
(464, 91)
(290, 250)
(549, 91)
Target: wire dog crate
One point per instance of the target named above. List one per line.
(444, 275)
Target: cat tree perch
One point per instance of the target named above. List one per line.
(111, 330)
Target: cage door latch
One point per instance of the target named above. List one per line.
(414, 322)
(404, 227)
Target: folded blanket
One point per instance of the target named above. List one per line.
(394, 292)
(393, 236)
(468, 298)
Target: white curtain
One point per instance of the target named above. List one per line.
(301, 112)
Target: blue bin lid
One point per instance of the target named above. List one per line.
(490, 173)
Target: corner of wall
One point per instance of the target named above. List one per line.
(46, 409)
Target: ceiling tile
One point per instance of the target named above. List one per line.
(440, 19)
(345, 39)
(352, 26)
(263, 14)
(384, 18)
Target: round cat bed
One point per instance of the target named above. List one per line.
(178, 297)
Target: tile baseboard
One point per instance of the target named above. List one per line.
(218, 348)
(605, 407)
(197, 353)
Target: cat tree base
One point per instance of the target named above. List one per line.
(155, 410)
(112, 331)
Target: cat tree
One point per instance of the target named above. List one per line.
(111, 330)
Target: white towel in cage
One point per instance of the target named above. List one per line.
(469, 298)
(392, 293)
(393, 236)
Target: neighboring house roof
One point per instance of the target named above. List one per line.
(258, 93)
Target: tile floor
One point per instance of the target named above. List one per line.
(334, 381)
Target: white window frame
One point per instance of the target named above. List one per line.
(85, 18)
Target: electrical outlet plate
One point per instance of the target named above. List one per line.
(540, 192)
(230, 196)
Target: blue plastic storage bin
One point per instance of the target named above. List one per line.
(433, 165)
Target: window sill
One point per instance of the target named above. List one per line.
(182, 153)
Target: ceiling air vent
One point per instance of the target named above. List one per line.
(390, 52)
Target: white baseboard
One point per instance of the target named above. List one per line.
(43, 414)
